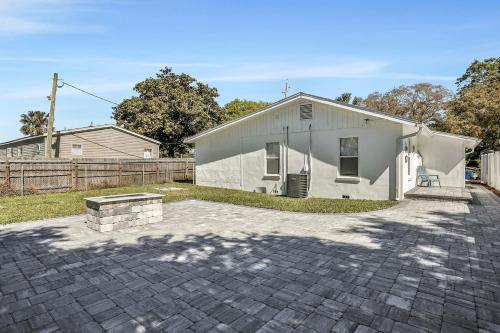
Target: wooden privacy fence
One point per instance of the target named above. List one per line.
(59, 175)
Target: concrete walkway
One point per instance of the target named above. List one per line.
(421, 266)
(440, 193)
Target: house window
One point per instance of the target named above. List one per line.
(9, 152)
(148, 153)
(306, 111)
(273, 158)
(349, 157)
(20, 151)
(38, 147)
(76, 149)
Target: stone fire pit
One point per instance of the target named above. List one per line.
(115, 212)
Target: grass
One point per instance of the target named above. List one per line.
(41, 206)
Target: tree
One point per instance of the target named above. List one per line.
(34, 123)
(169, 108)
(423, 102)
(346, 98)
(475, 111)
(240, 107)
(486, 72)
(358, 101)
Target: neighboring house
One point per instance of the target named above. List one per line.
(346, 150)
(104, 141)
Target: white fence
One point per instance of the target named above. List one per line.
(490, 169)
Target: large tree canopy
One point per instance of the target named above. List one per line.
(423, 102)
(485, 72)
(34, 123)
(475, 111)
(240, 107)
(169, 108)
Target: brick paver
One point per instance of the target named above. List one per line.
(423, 266)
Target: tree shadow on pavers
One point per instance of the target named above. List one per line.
(271, 282)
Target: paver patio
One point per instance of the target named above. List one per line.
(420, 266)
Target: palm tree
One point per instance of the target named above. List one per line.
(34, 123)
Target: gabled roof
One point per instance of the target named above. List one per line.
(309, 97)
(82, 129)
(328, 101)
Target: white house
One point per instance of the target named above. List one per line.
(345, 151)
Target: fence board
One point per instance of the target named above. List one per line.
(60, 175)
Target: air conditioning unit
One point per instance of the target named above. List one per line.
(297, 184)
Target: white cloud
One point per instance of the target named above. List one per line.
(275, 71)
(278, 71)
(109, 62)
(18, 17)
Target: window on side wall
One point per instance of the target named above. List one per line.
(273, 158)
(349, 157)
(306, 111)
(148, 153)
(76, 149)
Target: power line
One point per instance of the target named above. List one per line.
(86, 92)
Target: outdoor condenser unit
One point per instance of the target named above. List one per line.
(296, 185)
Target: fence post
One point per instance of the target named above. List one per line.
(86, 181)
(7, 173)
(167, 175)
(157, 172)
(142, 173)
(120, 170)
(74, 174)
(22, 179)
(186, 170)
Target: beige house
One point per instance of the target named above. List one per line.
(104, 141)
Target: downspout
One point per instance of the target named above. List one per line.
(309, 162)
(241, 163)
(285, 178)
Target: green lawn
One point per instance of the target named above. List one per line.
(34, 207)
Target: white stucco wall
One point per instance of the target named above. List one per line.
(444, 156)
(235, 157)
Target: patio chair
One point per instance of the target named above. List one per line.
(426, 178)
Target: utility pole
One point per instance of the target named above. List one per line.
(48, 144)
(285, 92)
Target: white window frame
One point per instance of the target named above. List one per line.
(272, 158)
(341, 157)
(20, 151)
(9, 152)
(150, 150)
(73, 149)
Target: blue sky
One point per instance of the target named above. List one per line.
(244, 48)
